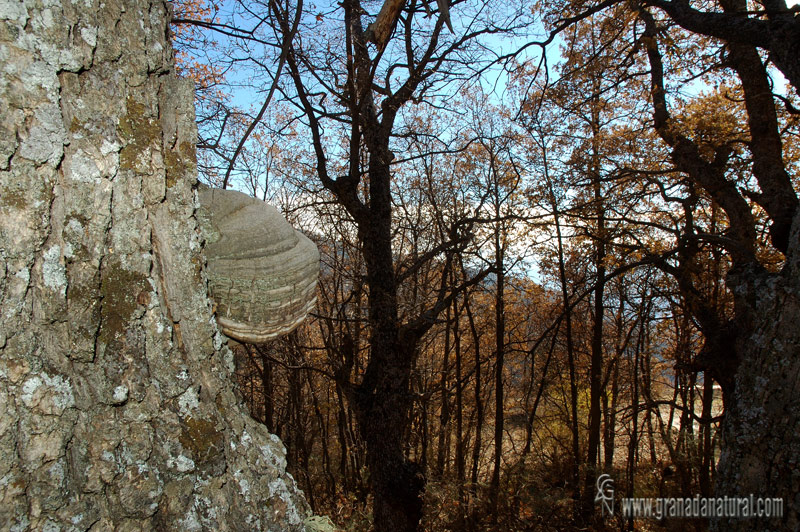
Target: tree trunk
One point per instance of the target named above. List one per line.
(500, 349)
(383, 399)
(476, 447)
(596, 365)
(706, 428)
(117, 408)
(460, 459)
(761, 447)
(444, 416)
(574, 481)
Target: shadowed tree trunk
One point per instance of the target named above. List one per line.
(383, 400)
(753, 356)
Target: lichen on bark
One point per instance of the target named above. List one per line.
(117, 408)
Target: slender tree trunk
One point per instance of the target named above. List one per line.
(344, 442)
(609, 437)
(596, 367)
(460, 462)
(542, 382)
(444, 417)
(266, 390)
(324, 428)
(706, 449)
(424, 443)
(500, 348)
(573, 384)
(633, 442)
(476, 447)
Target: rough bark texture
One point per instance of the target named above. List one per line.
(117, 410)
(761, 447)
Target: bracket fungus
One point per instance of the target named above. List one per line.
(262, 273)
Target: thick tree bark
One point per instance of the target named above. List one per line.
(117, 408)
(761, 430)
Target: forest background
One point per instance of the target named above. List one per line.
(542, 226)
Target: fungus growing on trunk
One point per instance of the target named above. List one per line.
(262, 273)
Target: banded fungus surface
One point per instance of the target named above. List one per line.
(262, 272)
